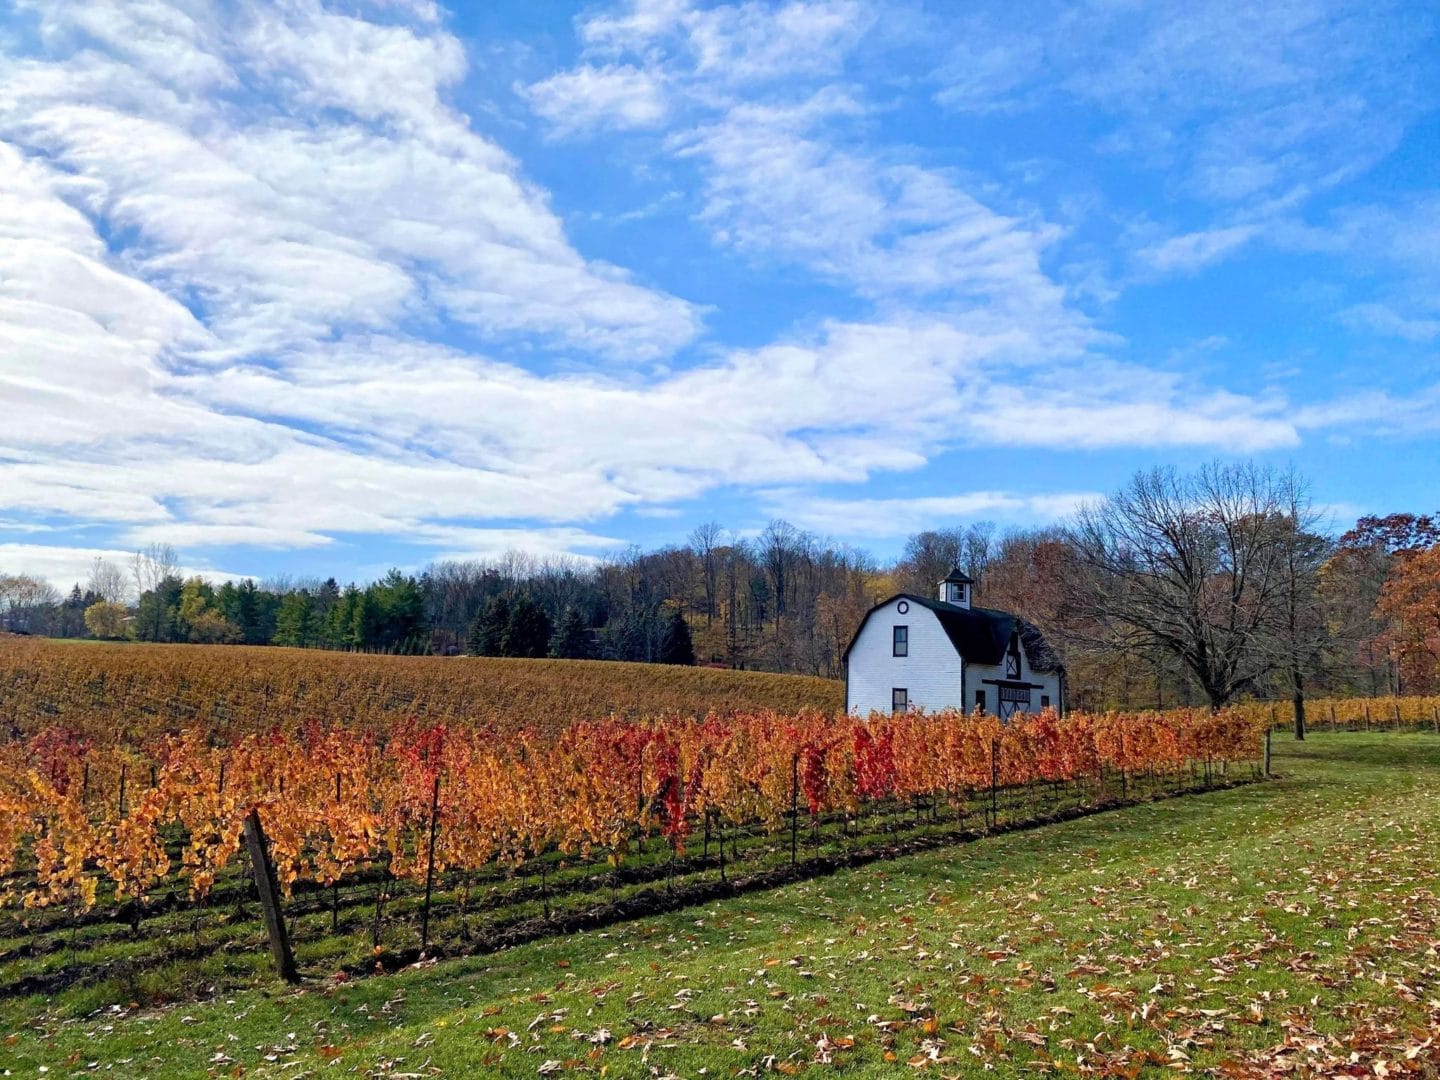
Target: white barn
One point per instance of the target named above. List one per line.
(912, 652)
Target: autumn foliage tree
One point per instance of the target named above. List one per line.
(105, 619)
(1411, 598)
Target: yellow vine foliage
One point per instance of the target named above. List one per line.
(333, 799)
(1376, 712)
(142, 692)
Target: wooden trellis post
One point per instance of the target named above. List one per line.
(269, 890)
(794, 804)
(335, 885)
(994, 782)
(1267, 751)
(430, 865)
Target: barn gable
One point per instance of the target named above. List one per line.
(980, 635)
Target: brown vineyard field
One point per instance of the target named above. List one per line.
(134, 692)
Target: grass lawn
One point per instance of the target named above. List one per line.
(1287, 925)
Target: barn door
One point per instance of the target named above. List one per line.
(1013, 699)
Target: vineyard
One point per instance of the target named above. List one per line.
(1352, 714)
(136, 692)
(423, 806)
(451, 839)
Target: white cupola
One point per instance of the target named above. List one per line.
(955, 588)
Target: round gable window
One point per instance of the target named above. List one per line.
(903, 607)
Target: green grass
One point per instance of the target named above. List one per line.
(1195, 933)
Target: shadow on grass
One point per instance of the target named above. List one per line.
(1344, 749)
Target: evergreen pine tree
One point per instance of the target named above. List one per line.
(295, 623)
(494, 622)
(400, 612)
(571, 640)
(528, 631)
(365, 629)
(677, 647)
(475, 637)
(249, 616)
(157, 616)
(339, 628)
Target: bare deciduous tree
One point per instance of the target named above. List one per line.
(107, 581)
(1298, 634)
(932, 554)
(705, 542)
(1193, 565)
(153, 565)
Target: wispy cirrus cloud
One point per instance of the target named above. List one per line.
(64, 566)
(781, 177)
(294, 172)
(592, 98)
(1276, 101)
(271, 279)
(899, 517)
(1193, 251)
(1249, 114)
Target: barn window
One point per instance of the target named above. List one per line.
(1044, 701)
(899, 699)
(901, 641)
(980, 700)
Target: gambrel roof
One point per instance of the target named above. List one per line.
(980, 635)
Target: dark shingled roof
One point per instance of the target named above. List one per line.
(959, 577)
(980, 635)
(1042, 657)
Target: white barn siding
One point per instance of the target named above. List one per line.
(931, 673)
(975, 674)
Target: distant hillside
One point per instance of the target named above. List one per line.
(104, 690)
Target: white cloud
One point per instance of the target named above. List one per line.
(752, 42)
(63, 567)
(420, 436)
(776, 185)
(1379, 412)
(217, 278)
(784, 179)
(344, 193)
(1192, 251)
(1384, 319)
(734, 43)
(590, 98)
(886, 518)
(492, 544)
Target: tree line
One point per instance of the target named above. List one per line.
(1179, 588)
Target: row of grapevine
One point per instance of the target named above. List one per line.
(1352, 714)
(76, 814)
(115, 692)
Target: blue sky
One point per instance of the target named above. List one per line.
(325, 289)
